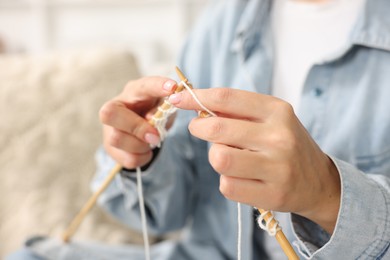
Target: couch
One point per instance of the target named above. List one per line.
(49, 133)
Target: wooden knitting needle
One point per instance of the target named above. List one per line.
(76, 222)
(280, 237)
(185, 80)
(72, 228)
(165, 105)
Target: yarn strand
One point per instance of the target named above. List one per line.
(143, 214)
(239, 231)
(211, 113)
(239, 220)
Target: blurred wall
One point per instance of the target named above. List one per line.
(153, 29)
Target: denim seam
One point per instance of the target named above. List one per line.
(376, 244)
(384, 251)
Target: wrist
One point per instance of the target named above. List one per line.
(327, 207)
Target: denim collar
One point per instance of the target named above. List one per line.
(252, 26)
(373, 25)
(371, 29)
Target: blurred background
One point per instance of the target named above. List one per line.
(152, 29)
(60, 60)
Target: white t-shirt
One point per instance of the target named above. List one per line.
(307, 33)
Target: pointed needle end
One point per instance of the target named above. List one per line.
(180, 74)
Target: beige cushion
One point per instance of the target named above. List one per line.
(50, 131)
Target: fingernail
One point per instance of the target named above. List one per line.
(152, 139)
(175, 98)
(168, 85)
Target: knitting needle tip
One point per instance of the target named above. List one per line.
(181, 75)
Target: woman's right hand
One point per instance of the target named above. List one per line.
(127, 134)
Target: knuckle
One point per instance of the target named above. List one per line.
(116, 138)
(220, 159)
(223, 95)
(275, 139)
(226, 187)
(129, 85)
(107, 112)
(138, 129)
(284, 107)
(215, 128)
(283, 139)
(109, 149)
(132, 161)
(129, 162)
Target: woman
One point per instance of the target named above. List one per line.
(318, 147)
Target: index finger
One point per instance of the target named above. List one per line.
(226, 101)
(147, 88)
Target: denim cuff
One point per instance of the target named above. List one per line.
(311, 235)
(362, 229)
(132, 173)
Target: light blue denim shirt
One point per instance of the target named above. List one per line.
(345, 106)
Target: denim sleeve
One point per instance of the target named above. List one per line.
(167, 185)
(362, 230)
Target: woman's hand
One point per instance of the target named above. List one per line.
(264, 155)
(127, 134)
